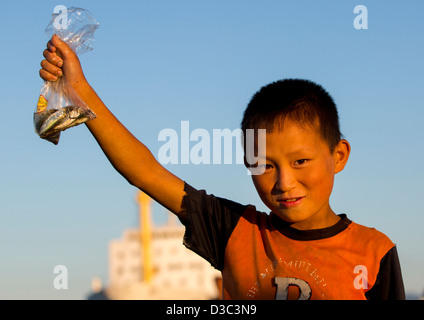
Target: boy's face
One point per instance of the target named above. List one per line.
(299, 174)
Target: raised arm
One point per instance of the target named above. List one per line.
(131, 158)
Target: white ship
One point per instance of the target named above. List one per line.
(151, 263)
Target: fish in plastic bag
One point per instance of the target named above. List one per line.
(59, 107)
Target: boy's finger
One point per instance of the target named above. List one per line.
(50, 46)
(47, 75)
(61, 48)
(53, 58)
(51, 68)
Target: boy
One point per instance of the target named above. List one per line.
(302, 249)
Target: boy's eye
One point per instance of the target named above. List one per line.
(260, 168)
(265, 166)
(300, 162)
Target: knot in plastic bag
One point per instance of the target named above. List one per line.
(77, 30)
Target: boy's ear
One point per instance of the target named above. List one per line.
(341, 155)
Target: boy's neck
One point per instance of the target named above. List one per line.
(314, 222)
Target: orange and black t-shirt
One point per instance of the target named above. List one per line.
(262, 257)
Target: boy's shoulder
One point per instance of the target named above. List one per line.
(369, 235)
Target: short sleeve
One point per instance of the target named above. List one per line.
(209, 222)
(389, 282)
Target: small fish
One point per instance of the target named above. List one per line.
(52, 122)
(40, 117)
(49, 123)
(74, 116)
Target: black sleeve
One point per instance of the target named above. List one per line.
(389, 283)
(209, 222)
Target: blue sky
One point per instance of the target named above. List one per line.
(157, 63)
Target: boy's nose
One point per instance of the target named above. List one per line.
(285, 180)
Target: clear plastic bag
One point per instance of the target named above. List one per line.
(59, 107)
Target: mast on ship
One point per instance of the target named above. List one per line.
(145, 203)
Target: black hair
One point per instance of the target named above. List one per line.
(299, 100)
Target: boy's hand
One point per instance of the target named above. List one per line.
(61, 61)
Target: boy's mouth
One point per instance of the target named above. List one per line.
(289, 202)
